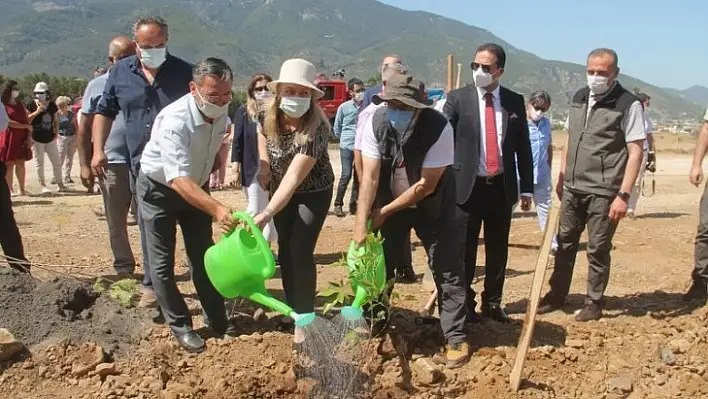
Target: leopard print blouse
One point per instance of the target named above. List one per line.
(281, 154)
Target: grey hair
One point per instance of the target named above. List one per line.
(598, 52)
(540, 99)
(214, 67)
(159, 21)
(393, 69)
(62, 100)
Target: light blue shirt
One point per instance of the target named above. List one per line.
(182, 143)
(116, 147)
(541, 139)
(345, 124)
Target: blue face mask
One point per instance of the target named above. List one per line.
(400, 120)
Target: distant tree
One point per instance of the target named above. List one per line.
(375, 80)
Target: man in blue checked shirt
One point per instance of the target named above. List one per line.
(345, 129)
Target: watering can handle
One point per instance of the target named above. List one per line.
(245, 217)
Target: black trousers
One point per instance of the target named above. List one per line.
(10, 238)
(161, 209)
(487, 206)
(443, 240)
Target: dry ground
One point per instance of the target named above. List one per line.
(638, 350)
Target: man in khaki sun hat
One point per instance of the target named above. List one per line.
(409, 146)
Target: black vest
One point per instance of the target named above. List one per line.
(597, 150)
(410, 149)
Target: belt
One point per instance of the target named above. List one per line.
(489, 180)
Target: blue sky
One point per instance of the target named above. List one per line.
(662, 43)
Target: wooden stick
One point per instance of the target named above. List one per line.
(428, 308)
(534, 299)
(459, 73)
(450, 63)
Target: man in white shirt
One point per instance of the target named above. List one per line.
(648, 161)
(407, 183)
(10, 238)
(699, 287)
(172, 188)
(392, 67)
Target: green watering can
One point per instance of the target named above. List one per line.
(377, 276)
(240, 263)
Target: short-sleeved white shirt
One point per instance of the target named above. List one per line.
(441, 154)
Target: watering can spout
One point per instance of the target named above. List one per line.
(270, 302)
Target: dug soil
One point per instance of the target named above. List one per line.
(43, 312)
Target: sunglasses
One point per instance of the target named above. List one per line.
(259, 89)
(485, 68)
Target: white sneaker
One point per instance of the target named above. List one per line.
(46, 190)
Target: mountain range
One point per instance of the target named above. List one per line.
(69, 37)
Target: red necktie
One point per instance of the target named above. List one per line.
(490, 131)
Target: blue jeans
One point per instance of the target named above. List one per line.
(347, 159)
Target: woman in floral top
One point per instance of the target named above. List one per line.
(295, 168)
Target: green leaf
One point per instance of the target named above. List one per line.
(327, 307)
(327, 293)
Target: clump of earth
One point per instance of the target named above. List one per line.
(44, 312)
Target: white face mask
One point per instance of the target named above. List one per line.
(262, 95)
(482, 79)
(535, 114)
(15, 94)
(41, 96)
(597, 84)
(359, 97)
(153, 58)
(212, 111)
(295, 107)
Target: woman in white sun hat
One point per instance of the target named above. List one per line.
(295, 168)
(45, 130)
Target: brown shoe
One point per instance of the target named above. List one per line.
(549, 303)
(455, 355)
(591, 311)
(148, 299)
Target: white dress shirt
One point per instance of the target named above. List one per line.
(482, 166)
(182, 143)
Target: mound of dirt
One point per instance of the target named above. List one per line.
(40, 312)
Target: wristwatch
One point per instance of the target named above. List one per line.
(624, 196)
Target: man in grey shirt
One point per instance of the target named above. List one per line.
(601, 160)
(115, 185)
(172, 188)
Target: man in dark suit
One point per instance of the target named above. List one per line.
(491, 135)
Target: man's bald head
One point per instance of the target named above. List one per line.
(120, 47)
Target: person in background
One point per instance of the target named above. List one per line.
(345, 130)
(45, 130)
(391, 67)
(295, 166)
(699, 275)
(116, 190)
(99, 71)
(10, 238)
(217, 178)
(16, 139)
(542, 151)
(173, 189)
(244, 154)
(67, 136)
(601, 160)
(648, 161)
(410, 185)
(391, 59)
(138, 87)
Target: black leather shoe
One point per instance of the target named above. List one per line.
(550, 303)
(474, 317)
(495, 312)
(231, 330)
(191, 342)
(698, 291)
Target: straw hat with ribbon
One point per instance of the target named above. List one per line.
(300, 72)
